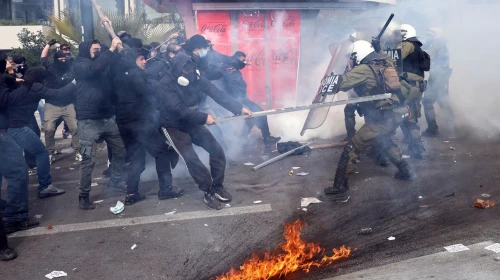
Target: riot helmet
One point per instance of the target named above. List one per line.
(360, 50)
(408, 31)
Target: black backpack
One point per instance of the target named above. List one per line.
(424, 61)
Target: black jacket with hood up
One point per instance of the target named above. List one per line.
(134, 93)
(94, 83)
(178, 103)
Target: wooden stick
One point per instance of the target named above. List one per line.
(107, 26)
(331, 145)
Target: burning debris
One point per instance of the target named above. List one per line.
(292, 255)
(482, 204)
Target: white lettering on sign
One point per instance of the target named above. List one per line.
(329, 84)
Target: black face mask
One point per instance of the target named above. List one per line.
(96, 55)
(61, 65)
(241, 64)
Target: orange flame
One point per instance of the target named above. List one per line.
(292, 255)
(479, 203)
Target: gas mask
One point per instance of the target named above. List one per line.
(188, 78)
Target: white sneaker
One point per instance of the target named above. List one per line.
(78, 157)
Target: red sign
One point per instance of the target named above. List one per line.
(273, 55)
(216, 26)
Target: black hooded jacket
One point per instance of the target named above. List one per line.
(5, 93)
(178, 103)
(135, 94)
(22, 103)
(94, 83)
(209, 71)
(234, 84)
(59, 75)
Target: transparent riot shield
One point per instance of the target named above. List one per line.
(390, 41)
(341, 53)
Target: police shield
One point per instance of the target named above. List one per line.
(390, 41)
(339, 64)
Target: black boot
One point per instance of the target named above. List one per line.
(134, 198)
(169, 192)
(7, 254)
(85, 203)
(404, 172)
(430, 132)
(107, 173)
(221, 193)
(382, 160)
(340, 184)
(211, 200)
(417, 150)
(270, 140)
(13, 226)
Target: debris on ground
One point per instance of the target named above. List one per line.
(98, 201)
(420, 197)
(497, 259)
(56, 274)
(494, 248)
(304, 209)
(248, 164)
(71, 168)
(485, 195)
(118, 208)
(305, 201)
(57, 167)
(49, 227)
(285, 147)
(451, 148)
(295, 168)
(94, 184)
(406, 156)
(424, 206)
(456, 248)
(98, 178)
(446, 141)
(391, 238)
(133, 246)
(171, 212)
(206, 225)
(39, 216)
(365, 231)
(257, 202)
(302, 173)
(228, 205)
(290, 173)
(450, 195)
(482, 204)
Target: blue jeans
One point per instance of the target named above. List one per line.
(31, 143)
(14, 169)
(41, 112)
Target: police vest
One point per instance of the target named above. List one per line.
(411, 64)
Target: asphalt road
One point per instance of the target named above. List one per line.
(198, 243)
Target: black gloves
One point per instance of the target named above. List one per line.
(51, 42)
(376, 45)
(34, 75)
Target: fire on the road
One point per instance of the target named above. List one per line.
(292, 255)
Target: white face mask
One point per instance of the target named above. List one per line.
(183, 81)
(203, 53)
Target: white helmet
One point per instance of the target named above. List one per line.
(408, 31)
(360, 50)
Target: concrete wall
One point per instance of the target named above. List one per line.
(9, 35)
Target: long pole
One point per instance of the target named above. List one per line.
(265, 163)
(106, 25)
(307, 107)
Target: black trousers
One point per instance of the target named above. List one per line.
(138, 138)
(259, 122)
(200, 136)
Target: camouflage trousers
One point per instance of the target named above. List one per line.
(438, 92)
(375, 133)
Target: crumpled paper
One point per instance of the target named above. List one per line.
(118, 208)
(305, 201)
(56, 274)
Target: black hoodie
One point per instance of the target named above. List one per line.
(94, 83)
(178, 103)
(135, 95)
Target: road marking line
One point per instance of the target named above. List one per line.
(121, 222)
